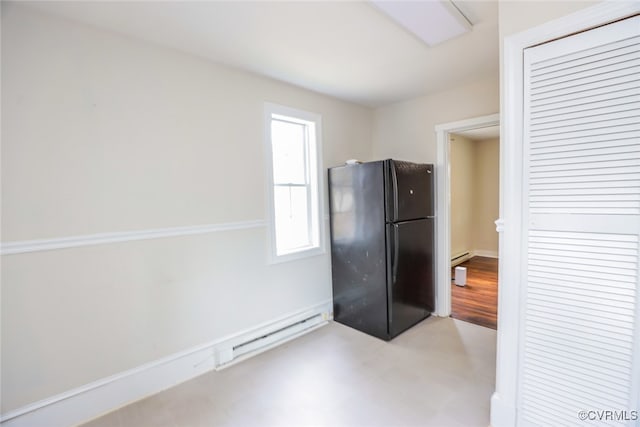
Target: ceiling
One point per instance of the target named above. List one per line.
(480, 134)
(346, 49)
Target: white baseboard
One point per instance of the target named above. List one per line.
(100, 397)
(271, 334)
(271, 345)
(471, 254)
(460, 258)
(487, 254)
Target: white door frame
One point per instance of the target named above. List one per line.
(503, 401)
(443, 205)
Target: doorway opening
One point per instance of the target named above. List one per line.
(474, 174)
(477, 301)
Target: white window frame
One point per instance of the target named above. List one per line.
(316, 181)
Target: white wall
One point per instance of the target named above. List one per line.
(405, 130)
(103, 133)
(519, 15)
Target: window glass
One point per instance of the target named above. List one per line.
(292, 218)
(288, 146)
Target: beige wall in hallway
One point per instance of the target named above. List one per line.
(486, 190)
(475, 171)
(462, 167)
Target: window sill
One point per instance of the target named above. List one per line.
(297, 255)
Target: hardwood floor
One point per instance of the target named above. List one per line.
(477, 302)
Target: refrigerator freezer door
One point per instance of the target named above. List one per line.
(411, 275)
(358, 254)
(410, 191)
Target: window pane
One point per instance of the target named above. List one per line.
(287, 142)
(292, 220)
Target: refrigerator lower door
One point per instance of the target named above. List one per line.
(411, 274)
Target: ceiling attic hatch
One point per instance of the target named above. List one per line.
(432, 21)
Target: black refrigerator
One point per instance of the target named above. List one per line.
(382, 245)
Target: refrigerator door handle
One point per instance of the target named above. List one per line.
(394, 190)
(396, 249)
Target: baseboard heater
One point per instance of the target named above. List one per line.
(458, 259)
(266, 339)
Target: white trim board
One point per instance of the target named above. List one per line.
(503, 401)
(443, 206)
(25, 246)
(100, 397)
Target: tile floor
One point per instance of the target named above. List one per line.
(439, 373)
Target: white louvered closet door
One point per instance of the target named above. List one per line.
(579, 336)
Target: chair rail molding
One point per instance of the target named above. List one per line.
(26, 246)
